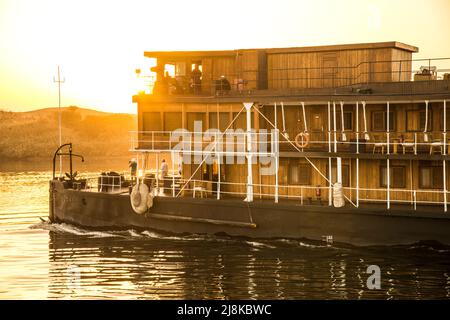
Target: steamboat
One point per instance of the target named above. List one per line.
(341, 143)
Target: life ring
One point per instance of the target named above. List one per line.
(302, 140)
(139, 198)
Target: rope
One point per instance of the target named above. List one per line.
(304, 117)
(366, 135)
(214, 147)
(344, 137)
(425, 135)
(306, 158)
(282, 118)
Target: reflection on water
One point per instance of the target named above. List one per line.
(62, 261)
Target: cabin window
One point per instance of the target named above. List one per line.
(192, 117)
(397, 176)
(447, 115)
(415, 120)
(172, 121)
(283, 172)
(224, 120)
(345, 174)
(430, 177)
(379, 119)
(348, 121)
(151, 121)
(299, 173)
(241, 121)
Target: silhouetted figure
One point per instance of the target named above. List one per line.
(196, 80)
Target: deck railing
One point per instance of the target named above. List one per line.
(304, 77)
(170, 186)
(436, 142)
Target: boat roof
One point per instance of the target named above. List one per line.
(216, 53)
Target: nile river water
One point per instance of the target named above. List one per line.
(42, 261)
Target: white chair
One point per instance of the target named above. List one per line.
(199, 190)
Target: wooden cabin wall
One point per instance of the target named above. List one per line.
(249, 70)
(181, 114)
(401, 65)
(329, 69)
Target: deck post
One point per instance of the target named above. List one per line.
(387, 128)
(330, 187)
(357, 152)
(388, 187)
(157, 173)
(445, 127)
(275, 138)
(445, 184)
(218, 167)
(173, 174)
(248, 107)
(357, 128)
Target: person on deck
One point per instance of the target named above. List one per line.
(164, 169)
(196, 80)
(133, 166)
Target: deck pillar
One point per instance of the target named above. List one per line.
(248, 107)
(276, 154)
(388, 186)
(445, 127)
(445, 184)
(330, 187)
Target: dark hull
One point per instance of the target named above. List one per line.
(255, 220)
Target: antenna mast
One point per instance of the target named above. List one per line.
(59, 81)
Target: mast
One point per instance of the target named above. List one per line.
(59, 81)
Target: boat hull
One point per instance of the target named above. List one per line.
(258, 219)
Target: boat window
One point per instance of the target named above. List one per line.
(299, 173)
(224, 120)
(348, 121)
(195, 116)
(430, 177)
(379, 120)
(415, 120)
(345, 174)
(172, 121)
(397, 176)
(151, 121)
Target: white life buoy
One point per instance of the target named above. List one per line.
(139, 198)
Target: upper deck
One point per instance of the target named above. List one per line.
(373, 69)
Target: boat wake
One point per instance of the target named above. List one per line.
(133, 234)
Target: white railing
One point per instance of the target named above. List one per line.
(262, 142)
(303, 194)
(231, 142)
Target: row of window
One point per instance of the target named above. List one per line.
(169, 121)
(415, 120)
(294, 173)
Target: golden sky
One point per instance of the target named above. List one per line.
(100, 43)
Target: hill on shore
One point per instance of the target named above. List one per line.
(34, 134)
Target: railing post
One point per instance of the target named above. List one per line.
(445, 184)
(445, 127)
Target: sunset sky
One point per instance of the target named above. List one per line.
(99, 44)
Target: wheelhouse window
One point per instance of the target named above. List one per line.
(397, 176)
(379, 120)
